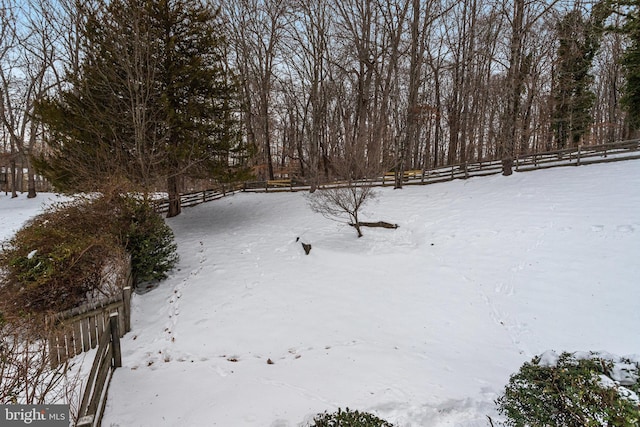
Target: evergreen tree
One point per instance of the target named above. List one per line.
(631, 61)
(152, 100)
(579, 40)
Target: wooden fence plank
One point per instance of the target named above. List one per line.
(98, 361)
(127, 306)
(100, 383)
(85, 331)
(77, 339)
(93, 331)
(114, 327)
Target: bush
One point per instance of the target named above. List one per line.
(150, 241)
(74, 251)
(573, 389)
(349, 418)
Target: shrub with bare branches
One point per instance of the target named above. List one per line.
(26, 373)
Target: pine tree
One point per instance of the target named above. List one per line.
(152, 100)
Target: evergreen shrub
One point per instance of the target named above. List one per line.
(349, 418)
(149, 240)
(573, 389)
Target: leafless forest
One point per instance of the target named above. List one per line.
(389, 85)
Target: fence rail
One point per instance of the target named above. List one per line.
(580, 156)
(198, 197)
(612, 152)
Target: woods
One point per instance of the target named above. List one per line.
(410, 84)
(171, 89)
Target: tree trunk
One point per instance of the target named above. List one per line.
(173, 189)
(515, 81)
(357, 227)
(414, 85)
(31, 181)
(14, 178)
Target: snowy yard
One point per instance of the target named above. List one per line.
(421, 325)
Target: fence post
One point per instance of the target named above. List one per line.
(115, 340)
(126, 299)
(579, 148)
(517, 162)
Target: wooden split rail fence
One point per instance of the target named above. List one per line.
(575, 156)
(198, 197)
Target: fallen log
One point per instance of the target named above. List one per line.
(381, 224)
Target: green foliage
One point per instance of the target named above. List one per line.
(349, 418)
(569, 393)
(152, 98)
(150, 242)
(629, 12)
(66, 255)
(579, 40)
(631, 64)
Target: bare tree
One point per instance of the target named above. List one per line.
(343, 201)
(308, 58)
(402, 83)
(609, 119)
(257, 29)
(523, 16)
(27, 73)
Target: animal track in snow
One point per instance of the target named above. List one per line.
(513, 327)
(174, 299)
(504, 288)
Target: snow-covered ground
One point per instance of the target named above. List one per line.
(421, 325)
(14, 212)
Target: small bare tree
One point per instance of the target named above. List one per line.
(344, 200)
